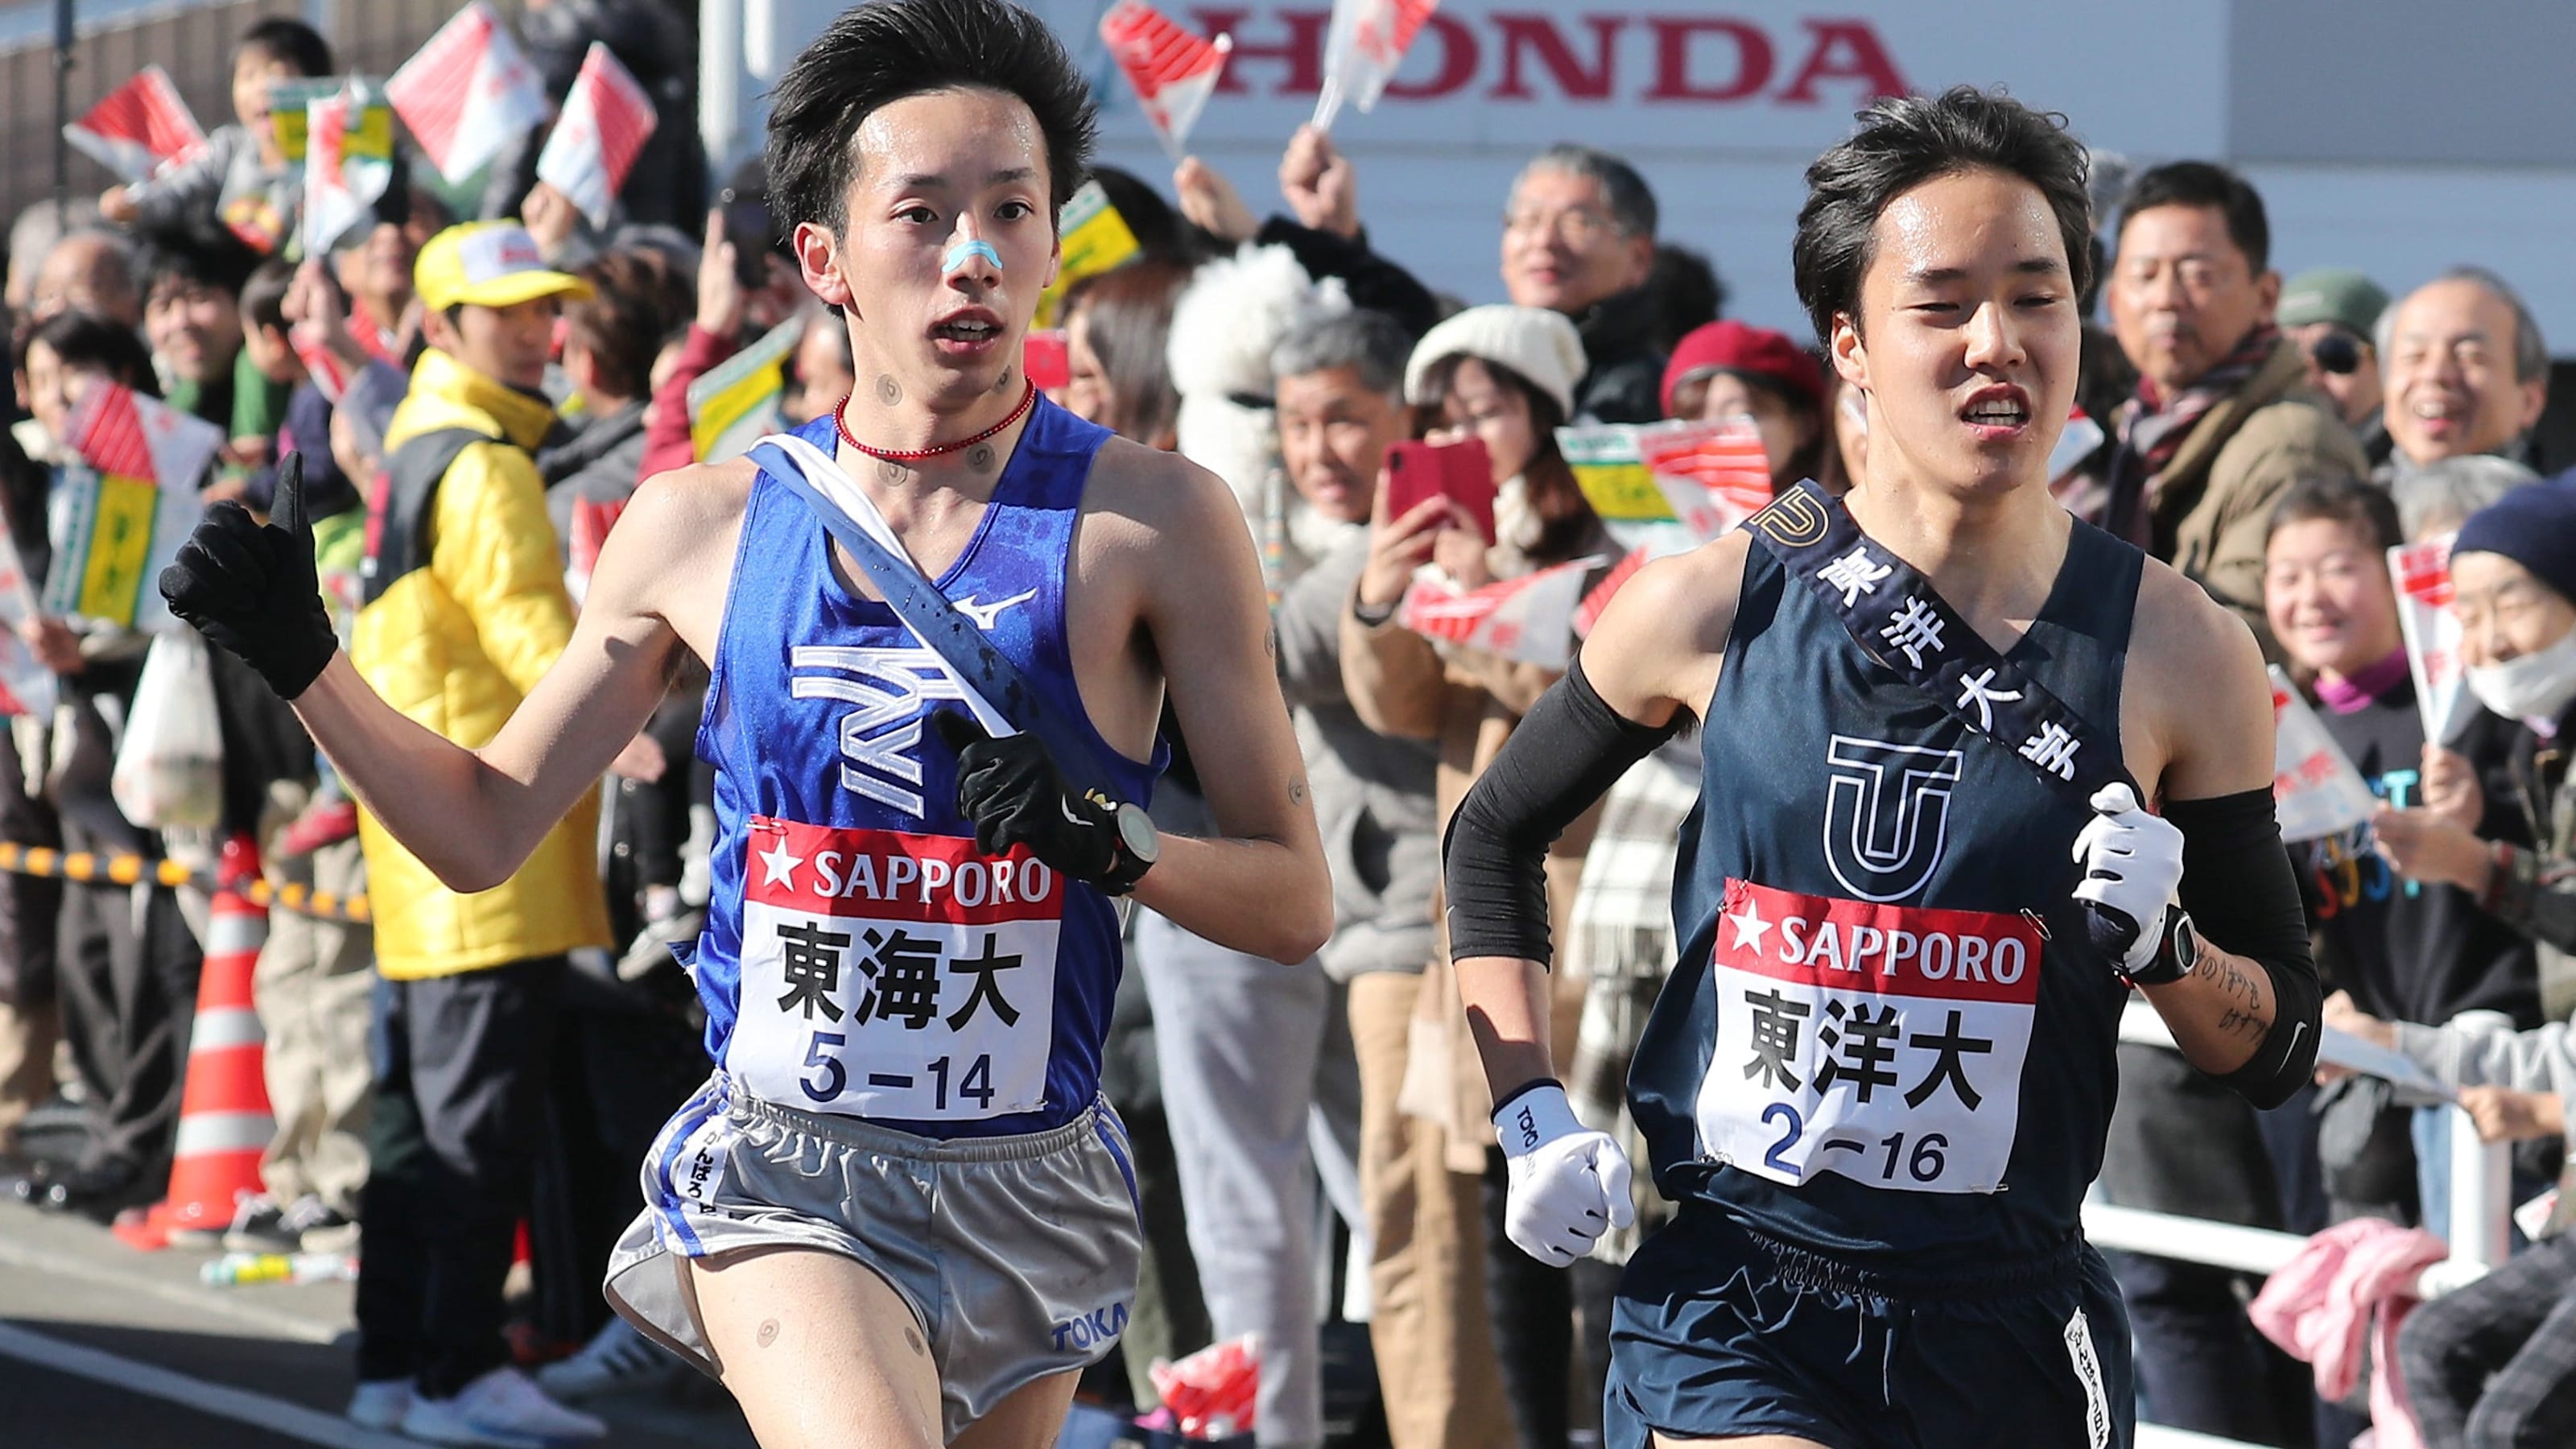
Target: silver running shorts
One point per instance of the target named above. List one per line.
(1016, 1254)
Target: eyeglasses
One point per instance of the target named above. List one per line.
(1579, 226)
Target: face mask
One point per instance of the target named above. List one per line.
(2535, 686)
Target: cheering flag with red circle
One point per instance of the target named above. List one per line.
(1366, 43)
(140, 130)
(604, 125)
(467, 92)
(1172, 70)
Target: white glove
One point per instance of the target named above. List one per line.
(1569, 1184)
(2132, 867)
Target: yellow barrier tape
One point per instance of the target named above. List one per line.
(92, 869)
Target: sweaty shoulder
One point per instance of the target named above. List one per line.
(1659, 645)
(2195, 679)
(1161, 504)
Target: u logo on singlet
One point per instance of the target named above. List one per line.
(1887, 814)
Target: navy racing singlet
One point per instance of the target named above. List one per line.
(860, 956)
(1886, 1033)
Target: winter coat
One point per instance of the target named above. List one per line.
(455, 638)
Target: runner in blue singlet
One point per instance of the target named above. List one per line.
(1919, 886)
(899, 1212)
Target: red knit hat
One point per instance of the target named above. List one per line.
(1756, 352)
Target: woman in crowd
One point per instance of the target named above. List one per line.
(2409, 951)
(1504, 375)
(1730, 370)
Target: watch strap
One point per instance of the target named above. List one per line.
(2175, 944)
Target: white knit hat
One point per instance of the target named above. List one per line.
(1536, 343)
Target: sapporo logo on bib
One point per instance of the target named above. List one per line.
(1878, 1041)
(894, 975)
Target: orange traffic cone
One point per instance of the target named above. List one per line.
(224, 1121)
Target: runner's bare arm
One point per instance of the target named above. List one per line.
(1654, 653)
(1262, 885)
(2210, 703)
(473, 816)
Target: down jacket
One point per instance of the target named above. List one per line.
(455, 636)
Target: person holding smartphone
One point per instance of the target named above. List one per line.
(1502, 377)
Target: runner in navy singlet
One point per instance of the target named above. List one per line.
(899, 1212)
(1919, 887)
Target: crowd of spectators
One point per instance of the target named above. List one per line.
(1312, 1141)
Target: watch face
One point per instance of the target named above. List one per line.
(1136, 832)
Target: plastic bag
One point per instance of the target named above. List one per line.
(169, 769)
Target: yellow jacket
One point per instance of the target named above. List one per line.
(455, 637)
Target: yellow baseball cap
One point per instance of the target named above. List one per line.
(488, 264)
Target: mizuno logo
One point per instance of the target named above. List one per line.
(984, 615)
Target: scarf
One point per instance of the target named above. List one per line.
(2152, 428)
(2352, 693)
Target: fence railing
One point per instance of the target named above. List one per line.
(2479, 1230)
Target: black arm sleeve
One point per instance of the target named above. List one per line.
(2242, 897)
(1569, 749)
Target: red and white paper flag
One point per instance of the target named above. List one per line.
(141, 129)
(467, 92)
(2432, 633)
(26, 685)
(604, 125)
(2315, 789)
(2074, 445)
(1172, 70)
(1366, 43)
(126, 514)
(1529, 619)
(1713, 475)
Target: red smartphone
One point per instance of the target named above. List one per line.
(1044, 358)
(1463, 471)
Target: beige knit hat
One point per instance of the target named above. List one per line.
(1536, 343)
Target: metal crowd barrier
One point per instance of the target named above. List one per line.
(2480, 1226)
(90, 868)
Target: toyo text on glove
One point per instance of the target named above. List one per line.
(1568, 1185)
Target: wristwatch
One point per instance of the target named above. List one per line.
(1139, 846)
(2174, 954)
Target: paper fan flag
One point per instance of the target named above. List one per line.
(1172, 70)
(735, 403)
(2316, 792)
(604, 125)
(348, 161)
(1713, 475)
(1366, 43)
(1529, 619)
(467, 92)
(2422, 571)
(129, 509)
(141, 129)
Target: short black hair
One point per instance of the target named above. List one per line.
(2365, 508)
(223, 267)
(1904, 141)
(290, 42)
(84, 339)
(2206, 184)
(882, 52)
(263, 297)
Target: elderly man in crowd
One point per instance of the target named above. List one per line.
(2466, 371)
(2221, 426)
(88, 271)
(1579, 238)
(2331, 314)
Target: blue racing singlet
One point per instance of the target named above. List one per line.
(860, 956)
(1886, 1033)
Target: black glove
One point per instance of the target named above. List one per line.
(252, 587)
(1015, 795)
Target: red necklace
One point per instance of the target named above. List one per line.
(840, 419)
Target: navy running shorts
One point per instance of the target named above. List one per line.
(1719, 1331)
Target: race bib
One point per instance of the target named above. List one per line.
(895, 976)
(1881, 1042)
